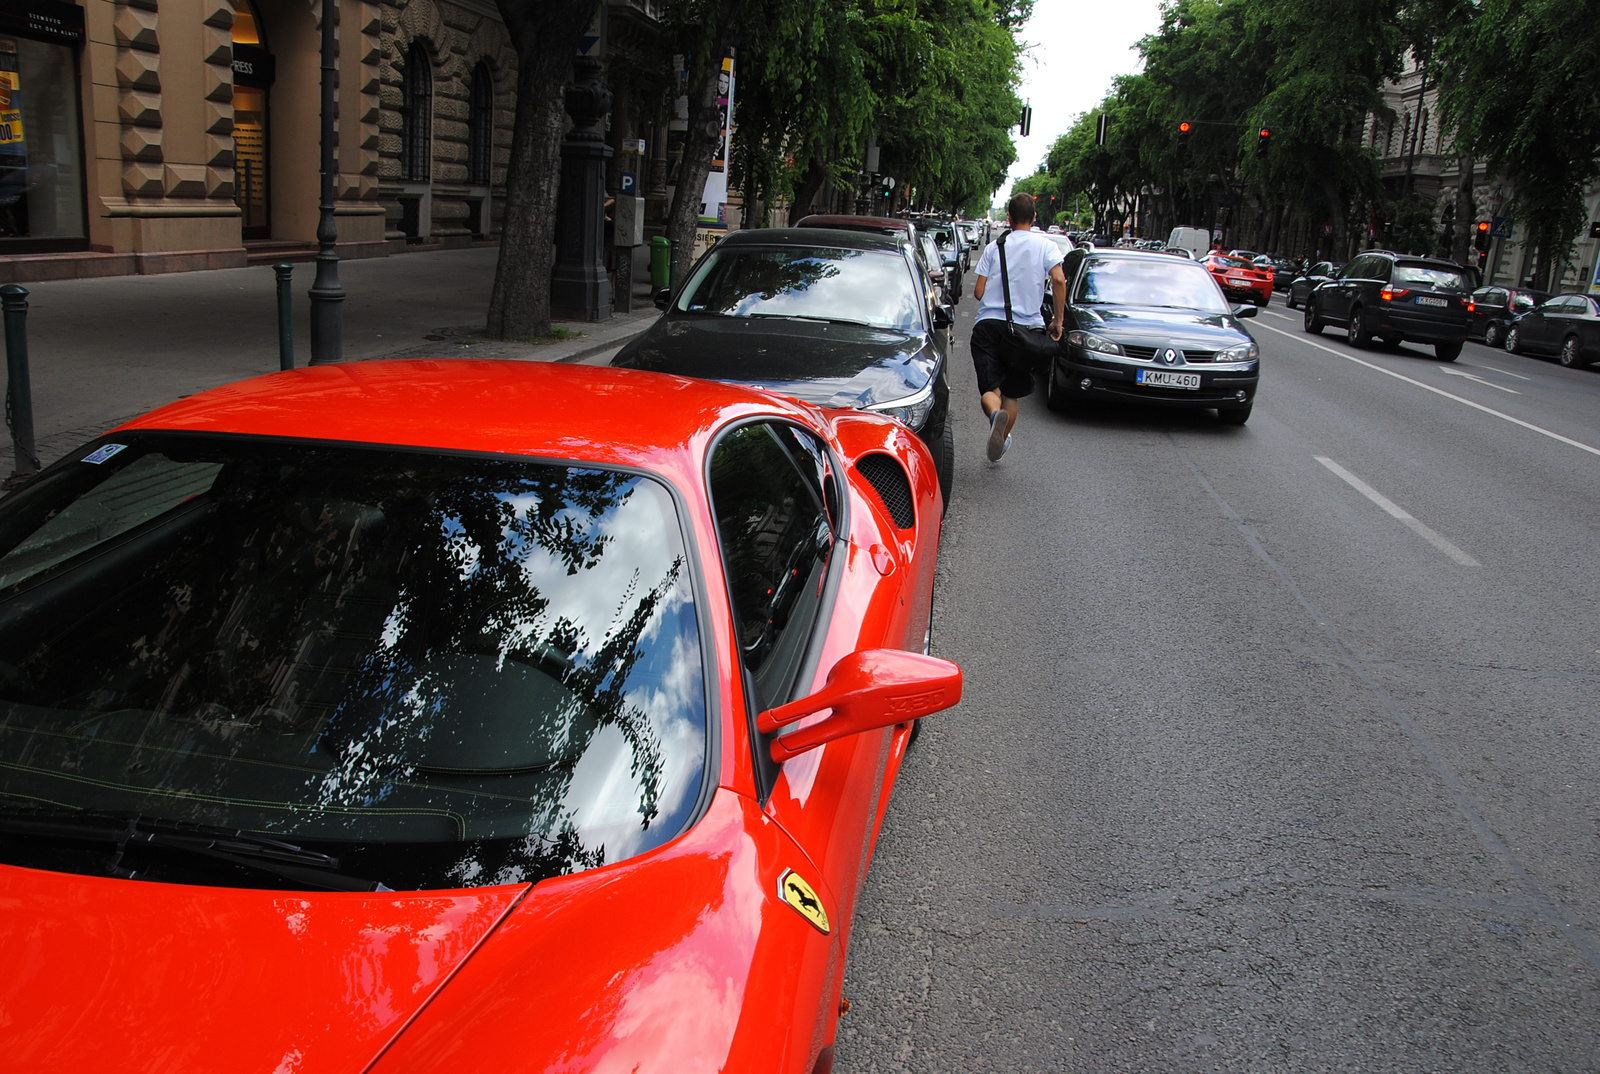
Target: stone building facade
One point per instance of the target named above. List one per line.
(142, 136)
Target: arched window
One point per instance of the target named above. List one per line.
(416, 115)
(480, 126)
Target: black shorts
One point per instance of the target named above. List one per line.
(1000, 367)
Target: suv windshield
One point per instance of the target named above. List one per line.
(1436, 277)
(442, 671)
(1135, 281)
(866, 287)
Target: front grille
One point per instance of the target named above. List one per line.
(888, 477)
(1149, 354)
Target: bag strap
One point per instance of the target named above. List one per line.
(1005, 277)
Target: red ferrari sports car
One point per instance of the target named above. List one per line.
(1241, 278)
(437, 716)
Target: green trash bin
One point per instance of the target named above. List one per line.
(660, 262)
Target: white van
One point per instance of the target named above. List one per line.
(1196, 240)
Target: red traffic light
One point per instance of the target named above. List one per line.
(1265, 133)
(1483, 225)
(1183, 128)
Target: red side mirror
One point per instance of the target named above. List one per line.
(866, 690)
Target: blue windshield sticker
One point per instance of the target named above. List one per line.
(102, 453)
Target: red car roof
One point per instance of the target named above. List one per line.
(619, 416)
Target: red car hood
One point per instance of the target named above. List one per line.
(683, 961)
(105, 974)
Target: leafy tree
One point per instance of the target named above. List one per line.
(1524, 95)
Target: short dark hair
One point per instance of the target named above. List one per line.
(1020, 209)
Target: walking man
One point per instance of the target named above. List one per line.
(1005, 373)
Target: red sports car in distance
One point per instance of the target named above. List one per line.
(435, 716)
(1241, 278)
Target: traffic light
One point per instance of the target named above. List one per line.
(1183, 135)
(1261, 142)
(1480, 237)
(1027, 120)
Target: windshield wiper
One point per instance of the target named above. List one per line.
(287, 860)
(821, 320)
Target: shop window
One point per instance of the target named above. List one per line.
(41, 145)
(480, 126)
(416, 116)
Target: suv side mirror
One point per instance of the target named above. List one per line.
(663, 297)
(1242, 312)
(943, 316)
(865, 690)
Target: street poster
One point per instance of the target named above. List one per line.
(12, 145)
(714, 200)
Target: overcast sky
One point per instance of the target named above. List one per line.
(1078, 47)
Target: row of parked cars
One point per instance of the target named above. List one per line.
(515, 716)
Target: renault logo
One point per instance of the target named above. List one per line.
(1171, 356)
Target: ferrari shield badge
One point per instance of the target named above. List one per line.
(793, 889)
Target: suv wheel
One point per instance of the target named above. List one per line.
(1491, 335)
(1513, 344)
(1570, 356)
(1448, 351)
(1356, 331)
(1314, 323)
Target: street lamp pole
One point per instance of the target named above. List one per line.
(327, 296)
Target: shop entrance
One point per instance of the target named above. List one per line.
(253, 71)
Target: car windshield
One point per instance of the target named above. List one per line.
(1435, 277)
(444, 671)
(1063, 243)
(867, 287)
(1136, 281)
(1228, 261)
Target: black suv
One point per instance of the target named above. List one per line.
(1396, 298)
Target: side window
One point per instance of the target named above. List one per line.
(1380, 269)
(772, 494)
(1353, 270)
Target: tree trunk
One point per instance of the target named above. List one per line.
(546, 37)
(810, 186)
(1466, 211)
(700, 140)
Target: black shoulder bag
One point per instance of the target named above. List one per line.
(1031, 345)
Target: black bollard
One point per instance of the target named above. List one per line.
(19, 393)
(283, 270)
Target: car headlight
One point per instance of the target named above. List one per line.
(911, 409)
(1091, 342)
(1244, 352)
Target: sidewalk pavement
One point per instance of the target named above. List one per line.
(104, 350)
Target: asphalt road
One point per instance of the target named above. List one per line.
(1279, 747)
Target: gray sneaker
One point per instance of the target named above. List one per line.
(999, 434)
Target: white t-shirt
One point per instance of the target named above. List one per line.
(1030, 256)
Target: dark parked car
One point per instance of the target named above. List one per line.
(1302, 286)
(836, 318)
(1149, 328)
(1567, 326)
(1283, 272)
(1396, 298)
(1494, 308)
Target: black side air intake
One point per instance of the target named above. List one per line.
(888, 477)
